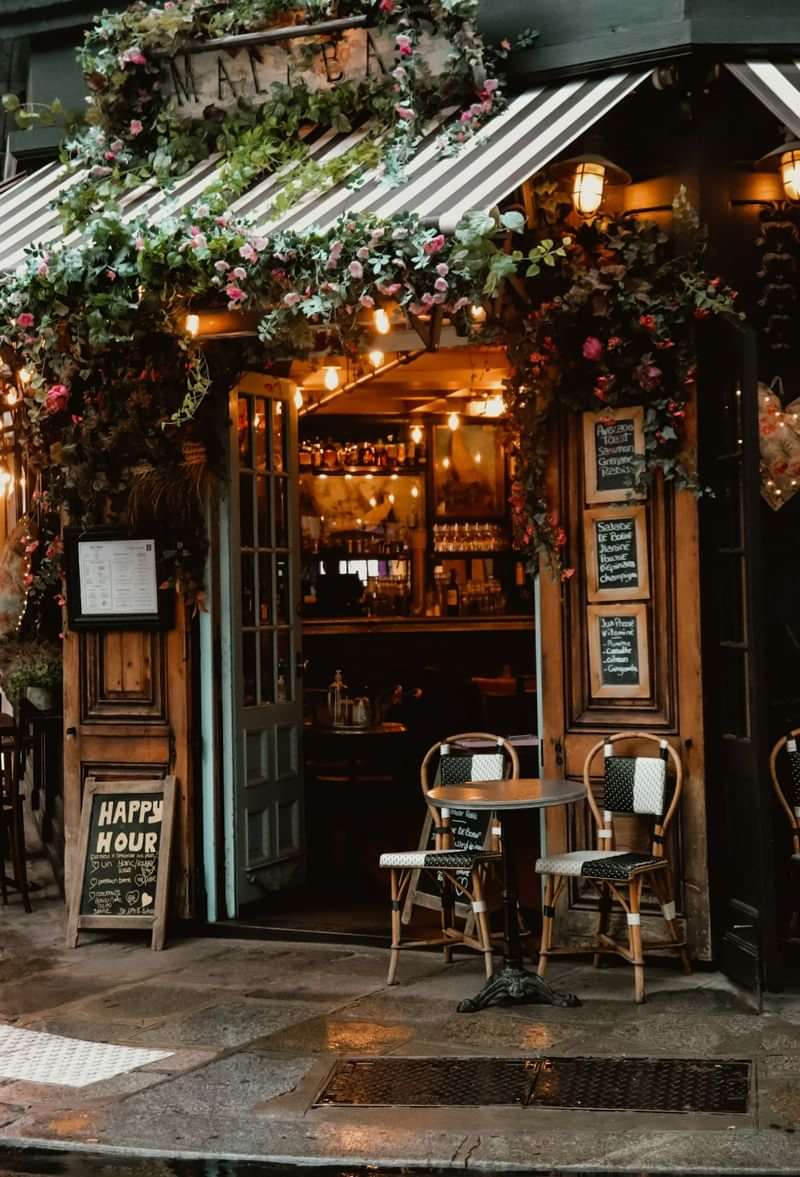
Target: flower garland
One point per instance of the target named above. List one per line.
(133, 135)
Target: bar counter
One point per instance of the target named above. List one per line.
(493, 623)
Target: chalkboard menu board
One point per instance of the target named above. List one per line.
(613, 448)
(618, 651)
(125, 839)
(616, 554)
(471, 831)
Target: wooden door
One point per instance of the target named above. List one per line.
(127, 716)
(262, 691)
(578, 707)
(740, 799)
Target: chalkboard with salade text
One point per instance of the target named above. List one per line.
(613, 449)
(125, 839)
(616, 554)
(618, 651)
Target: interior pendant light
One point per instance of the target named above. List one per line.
(454, 421)
(589, 176)
(786, 159)
(331, 378)
(298, 397)
(383, 323)
(376, 358)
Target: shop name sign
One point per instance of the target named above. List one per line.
(219, 76)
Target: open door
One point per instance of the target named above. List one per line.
(739, 797)
(261, 690)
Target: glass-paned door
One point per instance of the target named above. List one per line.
(265, 849)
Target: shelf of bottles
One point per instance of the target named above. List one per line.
(404, 451)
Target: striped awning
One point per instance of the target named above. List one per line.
(776, 84)
(535, 128)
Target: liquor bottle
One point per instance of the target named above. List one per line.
(367, 454)
(305, 456)
(453, 596)
(391, 452)
(381, 457)
(411, 451)
(329, 455)
(402, 455)
(337, 693)
(316, 456)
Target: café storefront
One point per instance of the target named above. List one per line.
(368, 517)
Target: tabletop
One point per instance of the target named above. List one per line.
(515, 793)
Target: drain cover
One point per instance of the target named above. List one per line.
(599, 1084)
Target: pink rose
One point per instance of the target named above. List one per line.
(435, 244)
(221, 267)
(139, 243)
(356, 270)
(235, 293)
(136, 127)
(404, 112)
(292, 298)
(592, 348)
(25, 319)
(404, 45)
(248, 253)
(43, 269)
(56, 398)
(239, 272)
(387, 6)
(367, 301)
(440, 284)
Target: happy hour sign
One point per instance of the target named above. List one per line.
(126, 829)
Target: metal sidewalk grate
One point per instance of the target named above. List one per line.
(593, 1084)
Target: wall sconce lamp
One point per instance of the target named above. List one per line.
(590, 176)
(785, 159)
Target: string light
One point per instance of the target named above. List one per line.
(383, 323)
(12, 396)
(331, 378)
(192, 324)
(453, 421)
(376, 358)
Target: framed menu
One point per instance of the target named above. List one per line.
(619, 661)
(113, 581)
(613, 444)
(617, 566)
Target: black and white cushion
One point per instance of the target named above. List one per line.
(466, 768)
(454, 859)
(613, 865)
(634, 784)
(794, 764)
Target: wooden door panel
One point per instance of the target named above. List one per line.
(123, 677)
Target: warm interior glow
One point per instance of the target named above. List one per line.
(331, 378)
(477, 313)
(478, 458)
(383, 323)
(446, 463)
(454, 421)
(12, 396)
(376, 358)
(587, 188)
(24, 375)
(5, 476)
(790, 174)
(298, 397)
(415, 492)
(192, 324)
(416, 435)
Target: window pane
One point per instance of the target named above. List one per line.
(246, 509)
(267, 671)
(264, 589)
(248, 590)
(262, 506)
(283, 589)
(278, 436)
(249, 668)
(260, 427)
(243, 426)
(280, 488)
(285, 692)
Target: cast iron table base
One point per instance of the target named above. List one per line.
(514, 985)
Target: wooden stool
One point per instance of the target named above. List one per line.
(12, 823)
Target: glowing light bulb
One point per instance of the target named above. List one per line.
(415, 492)
(373, 502)
(331, 378)
(376, 358)
(416, 435)
(587, 188)
(453, 421)
(390, 498)
(790, 174)
(383, 323)
(446, 463)
(477, 313)
(25, 375)
(478, 457)
(192, 324)
(12, 396)
(298, 397)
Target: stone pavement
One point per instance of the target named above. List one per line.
(254, 1028)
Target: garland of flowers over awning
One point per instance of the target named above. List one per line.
(118, 400)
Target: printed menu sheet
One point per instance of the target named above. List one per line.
(118, 576)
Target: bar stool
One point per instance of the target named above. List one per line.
(12, 823)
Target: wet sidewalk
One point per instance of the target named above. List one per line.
(246, 1033)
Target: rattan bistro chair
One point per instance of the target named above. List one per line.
(12, 823)
(631, 785)
(788, 794)
(459, 871)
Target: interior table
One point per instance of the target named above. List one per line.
(513, 983)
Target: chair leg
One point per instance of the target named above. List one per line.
(603, 919)
(22, 865)
(635, 936)
(394, 956)
(482, 919)
(547, 924)
(448, 918)
(665, 893)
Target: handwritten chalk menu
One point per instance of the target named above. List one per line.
(616, 554)
(613, 448)
(618, 651)
(125, 839)
(470, 829)
(118, 576)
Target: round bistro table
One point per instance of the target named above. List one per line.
(514, 983)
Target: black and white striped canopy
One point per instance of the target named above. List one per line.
(777, 85)
(535, 128)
